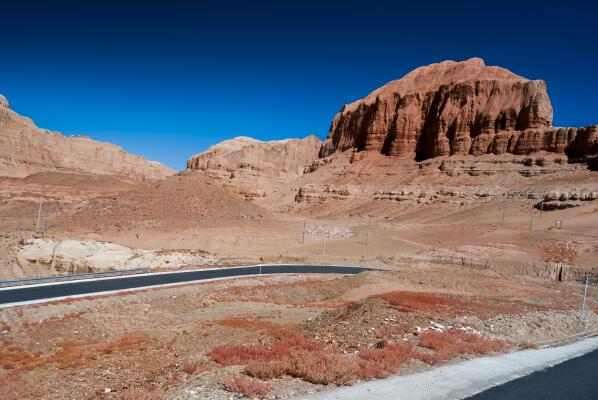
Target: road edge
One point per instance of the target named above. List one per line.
(461, 380)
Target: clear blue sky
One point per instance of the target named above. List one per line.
(167, 79)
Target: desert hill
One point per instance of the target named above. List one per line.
(26, 149)
(176, 202)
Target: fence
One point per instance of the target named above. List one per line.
(343, 240)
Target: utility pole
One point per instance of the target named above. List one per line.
(531, 220)
(303, 238)
(367, 237)
(324, 245)
(585, 293)
(39, 215)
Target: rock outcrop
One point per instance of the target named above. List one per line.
(252, 167)
(75, 256)
(26, 149)
(277, 157)
(456, 108)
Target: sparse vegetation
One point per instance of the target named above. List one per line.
(380, 363)
(237, 355)
(194, 367)
(527, 344)
(451, 343)
(246, 386)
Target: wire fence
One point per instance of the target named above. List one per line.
(347, 239)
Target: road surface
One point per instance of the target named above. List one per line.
(576, 379)
(46, 291)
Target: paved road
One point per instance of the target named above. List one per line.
(61, 289)
(576, 379)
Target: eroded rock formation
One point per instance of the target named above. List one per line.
(277, 157)
(456, 108)
(26, 149)
(75, 256)
(252, 167)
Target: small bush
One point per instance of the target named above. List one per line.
(246, 386)
(322, 367)
(450, 344)
(237, 355)
(194, 367)
(526, 344)
(267, 369)
(379, 363)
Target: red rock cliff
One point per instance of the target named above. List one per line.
(456, 108)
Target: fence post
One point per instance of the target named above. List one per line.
(585, 292)
(303, 239)
(39, 215)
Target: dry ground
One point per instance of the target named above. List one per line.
(204, 340)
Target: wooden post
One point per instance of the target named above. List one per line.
(39, 215)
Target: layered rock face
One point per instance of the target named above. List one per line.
(26, 149)
(252, 167)
(277, 157)
(75, 256)
(453, 108)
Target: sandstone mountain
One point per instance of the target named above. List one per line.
(26, 149)
(456, 108)
(252, 167)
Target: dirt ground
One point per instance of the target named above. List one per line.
(160, 340)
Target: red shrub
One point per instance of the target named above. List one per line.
(194, 367)
(246, 386)
(297, 341)
(449, 344)
(236, 355)
(379, 363)
(267, 369)
(322, 367)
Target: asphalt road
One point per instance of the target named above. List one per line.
(576, 379)
(84, 287)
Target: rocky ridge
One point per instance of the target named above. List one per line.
(252, 167)
(456, 108)
(26, 149)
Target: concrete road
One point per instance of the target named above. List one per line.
(45, 291)
(576, 379)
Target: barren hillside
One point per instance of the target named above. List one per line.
(26, 149)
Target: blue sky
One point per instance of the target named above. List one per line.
(168, 79)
